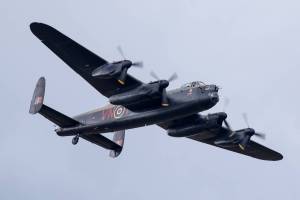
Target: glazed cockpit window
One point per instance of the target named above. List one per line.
(195, 84)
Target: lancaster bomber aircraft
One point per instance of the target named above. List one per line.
(136, 104)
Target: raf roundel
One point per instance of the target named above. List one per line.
(119, 112)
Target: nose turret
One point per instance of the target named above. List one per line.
(212, 88)
(214, 97)
(213, 93)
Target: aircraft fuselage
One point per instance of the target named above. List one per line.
(183, 102)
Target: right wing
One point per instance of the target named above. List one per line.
(253, 149)
(80, 59)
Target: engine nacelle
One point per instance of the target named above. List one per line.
(108, 70)
(117, 70)
(239, 138)
(200, 125)
(137, 95)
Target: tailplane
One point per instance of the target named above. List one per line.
(37, 106)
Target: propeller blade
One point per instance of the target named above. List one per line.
(232, 133)
(227, 125)
(245, 116)
(119, 48)
(173, 77)
(226, 103)
(139, 64)
(164, 98)
(153, 74)
(260, 135)
(229, 128)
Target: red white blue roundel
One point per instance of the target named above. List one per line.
(119, 111)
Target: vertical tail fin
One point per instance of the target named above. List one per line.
(37, 106)
(119, 137)
(38, 96)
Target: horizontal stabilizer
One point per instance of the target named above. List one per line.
(57, 118)
(102, 141)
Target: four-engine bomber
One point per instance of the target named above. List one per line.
(134, 104)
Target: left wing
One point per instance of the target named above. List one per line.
(80, 59)
(253, 149)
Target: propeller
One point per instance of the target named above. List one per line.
(250, 132)
(260, 135)
(228, 126)
(257, 134)
(245, 134)
(163, 84)
(120, 50)
(226, 103)
(126, 65)
(138, 64)
(245, 117)
(173, 77)
(120, 67)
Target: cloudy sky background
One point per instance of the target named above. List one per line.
(250, 48)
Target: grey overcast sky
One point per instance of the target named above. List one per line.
(250, 48)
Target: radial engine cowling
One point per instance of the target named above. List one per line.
(203, 123)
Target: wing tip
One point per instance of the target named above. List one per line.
(40, 29)
(278, 157)
(34, 26)
(275, 157)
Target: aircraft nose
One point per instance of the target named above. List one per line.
(214, 97)
(212, 88)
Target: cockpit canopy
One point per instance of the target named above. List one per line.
(194, 84)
